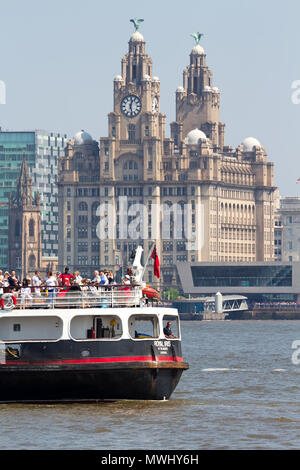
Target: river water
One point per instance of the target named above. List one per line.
(242, 391)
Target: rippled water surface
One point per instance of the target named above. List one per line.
(242, 391)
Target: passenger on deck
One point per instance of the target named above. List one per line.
(25, 293)
(5, 281)
(66, 278)
(36, 283)
(168, 332)
(103, 279)
(51, 283)
(126, 280)
(110, 277)
(13, 280)
(96, 280)
(77, 278)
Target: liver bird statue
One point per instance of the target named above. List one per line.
(136, 23)
(197, 37)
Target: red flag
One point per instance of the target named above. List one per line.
(154, 256)
(297, 180)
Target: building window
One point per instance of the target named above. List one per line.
(82, 219)
(82, 206)
(95, 247)
(95, 260)
(83, 232)
(147, 131)
(113, 131)
(131, 132)
(31, 261)
(17, 228)
(31, 228)
(82, 246)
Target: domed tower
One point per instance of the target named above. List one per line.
(136, 128)
(198, 101)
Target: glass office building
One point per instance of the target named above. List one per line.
(258, 281)
(41, 149)
(244, 276)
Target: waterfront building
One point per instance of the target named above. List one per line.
(287, 229)
(229, 192)
(41, 149)
(258, 281)
(79, 194)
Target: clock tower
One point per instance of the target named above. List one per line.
(198, 101)
(136, 128)
(131, 156)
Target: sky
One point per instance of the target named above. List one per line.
(58, 60)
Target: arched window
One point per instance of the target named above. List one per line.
(17, 228)
(31, 228)
(31, 261)
(82, 206)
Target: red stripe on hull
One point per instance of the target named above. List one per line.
(98, 360)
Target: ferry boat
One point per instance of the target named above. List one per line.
(103, 343)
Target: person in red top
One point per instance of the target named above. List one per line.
(66, 278)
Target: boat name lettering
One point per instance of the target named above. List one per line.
(162, 344)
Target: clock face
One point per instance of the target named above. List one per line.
(131, 106)
(155, 105)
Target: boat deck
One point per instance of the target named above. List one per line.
(74, 297)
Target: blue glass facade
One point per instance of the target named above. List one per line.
(242, 276)
(41, 150)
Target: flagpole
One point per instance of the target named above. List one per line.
(150, 251)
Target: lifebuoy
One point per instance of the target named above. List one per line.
(150, 293)
(8, 301)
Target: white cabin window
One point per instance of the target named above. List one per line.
(96, 327)
(30, 328)
(143, 326)
(174, 325)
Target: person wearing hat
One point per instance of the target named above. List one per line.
(126, 280)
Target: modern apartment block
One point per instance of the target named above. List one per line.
(41, 150)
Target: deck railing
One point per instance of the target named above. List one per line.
(73, 297)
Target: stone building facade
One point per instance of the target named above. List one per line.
(287, 230)
(190, 182)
